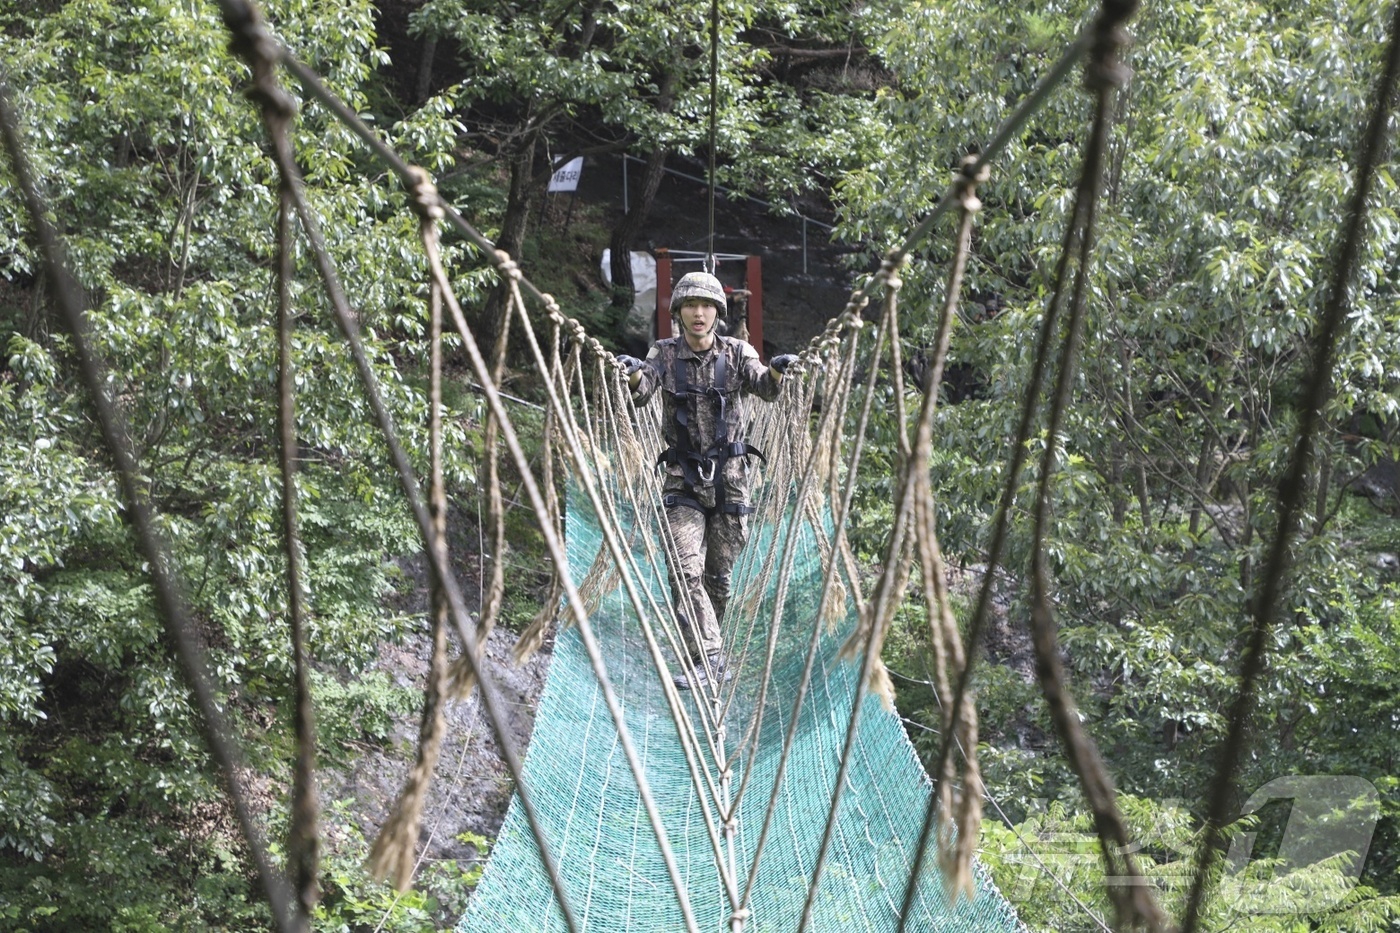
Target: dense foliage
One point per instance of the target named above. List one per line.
(1230, 162)
(1231, 158)
(157, 175)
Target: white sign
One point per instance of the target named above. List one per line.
(566, 177)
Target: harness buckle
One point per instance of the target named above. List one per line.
(706, 469)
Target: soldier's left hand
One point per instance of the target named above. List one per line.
(779, 364)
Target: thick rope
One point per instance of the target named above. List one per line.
(461, 677)
(393, 853)
(915, 537)
(303, 838)
(959, 822)
(1136, 906)
(552, 468)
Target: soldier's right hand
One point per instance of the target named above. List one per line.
(629, 364)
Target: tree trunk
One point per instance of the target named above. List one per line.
(1203, 471)
(425, 69)
(624, 290)
(489, 325)
(1115, 487)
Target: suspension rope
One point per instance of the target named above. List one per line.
(393, 851)
(1133, 900)
(714, 136)
(303, 839)
(954, 848)
(1265, 607)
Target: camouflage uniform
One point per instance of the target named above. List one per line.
(707, 509)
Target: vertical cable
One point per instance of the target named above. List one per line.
(714, 98)
(304, 843)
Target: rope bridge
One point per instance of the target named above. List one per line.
(782, 799)
(608, 855)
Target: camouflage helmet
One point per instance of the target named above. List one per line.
(698, 285)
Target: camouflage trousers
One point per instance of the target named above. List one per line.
(701, 554)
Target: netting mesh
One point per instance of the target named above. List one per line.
(608, 854)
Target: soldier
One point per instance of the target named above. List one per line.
(704, 376)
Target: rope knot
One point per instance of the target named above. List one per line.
(969, 176)
(970, 171)
(254, 44)
(551, 306)
(425, 200)
(1110, 37)
(507, 266)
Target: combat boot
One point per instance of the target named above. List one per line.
(706, 672)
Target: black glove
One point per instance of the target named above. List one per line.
(630, 364)
(779, 364)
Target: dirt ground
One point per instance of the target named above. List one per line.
(472, 786)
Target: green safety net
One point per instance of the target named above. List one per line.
(612, 870)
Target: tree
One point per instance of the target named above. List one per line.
(157, 175)
(1230, 162)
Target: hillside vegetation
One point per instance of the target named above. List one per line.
(1231, 161)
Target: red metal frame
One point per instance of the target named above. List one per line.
(663, 294)
(753, 281)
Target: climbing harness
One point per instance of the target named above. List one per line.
(701, 469)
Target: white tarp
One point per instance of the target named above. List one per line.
(641, 320)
